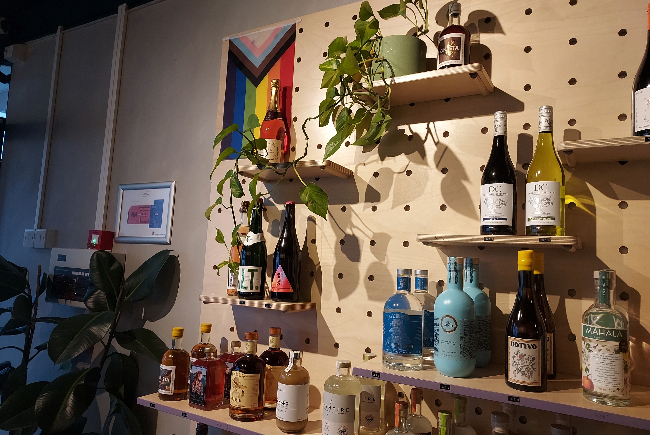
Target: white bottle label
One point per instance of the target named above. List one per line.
(244, 390)
(545, 119)
(166, 379)
(273, 151)
(274, 341)
(642, 109)
(605, 361)
(338, 414)
(293, 402)
(250, 279)
(370, 406)
(524, 358)
(496, 204)
(542, 203)
(451, 50)
(500, 123)
(252, 238)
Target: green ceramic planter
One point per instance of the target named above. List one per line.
(406, 55)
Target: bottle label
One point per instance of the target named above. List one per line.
(483, 338)
(250, 279)
(451, 50)
(198, 380)
(404, 283)
(166, 379)
(244, 390)
(274, 341)
(250, 347)
(549, 353)
(280, 283)
(293, 403)
(524, 358)
(273, 151)
(496, 204)
(428, 326)
(421, 283)
(605, 361)
(338, 414)
(546, 119)
(500, 123)
(542, 203)
(454, 338)
(271, 377)
(370, 406)
(402, 333)
(252, 238)
(642, 110)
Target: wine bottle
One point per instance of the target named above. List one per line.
(483, 310)
(499, 185)
(233, 272)
(547, 315)
(247, 384)
(641, 94)
(525, 334)
(292, 409)
(340, 401)
(545, 183)
(174, 370)
(453, 45)
(252, 270)
(273, 129)
(285, 285)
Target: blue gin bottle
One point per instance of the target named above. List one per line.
(402, 339)
(428, 301)
(454, 352)
(483, 311)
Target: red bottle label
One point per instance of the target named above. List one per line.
(280, 283)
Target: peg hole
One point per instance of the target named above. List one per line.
(447, 100)
(443, 207)
(481, 285)
(405, 243)
(295, 119)
(527, 126)
(445, 134)
(528, 11)
(571, 292)
(297, 89)
(622, 32)
(407, 207)
(347, 143)
(232, 329)
(327, 23)
(218, 210)
(528, 49)
(525, 166)
(480, 248)
(343, 209)
(622, 205)
(527, 87)
(572, 206)
(622, 74)
(367, 350)
(298, 59)
(319, 146)
(573, 2)
(214, 267)
(373, 243)
(408, 172)
(373, 208)
(487, 56)
(338, 310)
(341, 242)
(523, 419)
(324, 54)
(438, 403)
(409, 137)
(371, 277)
(488, 20)
(572, 81)
(354, 17)
(482, 168)
(369, 313)
(411, 104)
(622, 162)
(478, 410)
(336, 345)
(623, 250)
(572, 336)
(622, 117)
(375, 174)
(311, 273)
(300, 30)
(307, 341)
(313, 241)
(444, 170)
(243, 181)
(624, 296)
(572, 122)
(573, 41)
(340, 275)
(484, 130)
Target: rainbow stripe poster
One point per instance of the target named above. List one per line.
(253, 61)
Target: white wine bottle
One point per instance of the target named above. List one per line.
(545, 183)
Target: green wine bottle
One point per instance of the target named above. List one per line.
(545, 183)
(252, 267)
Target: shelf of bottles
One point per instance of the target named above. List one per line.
(307, 168)
(287, 307)
(564, 394)
(604, 150)
(570, 243)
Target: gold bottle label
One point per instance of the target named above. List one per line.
(244, 390)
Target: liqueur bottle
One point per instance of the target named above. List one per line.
(229, 360)
(453, 45)
(276, 360)
(500, 423)
(233, 274)
(402, 330)
(545, 183)
(483, 310)
(428, 302)
(200, 350)
(273, 129)
(499, 185)
(641, 94)
(605, 347)
(445, 425)
(547, 314)
(247, 384)
(455, 326)
(371, 403)
(252, 270)
(207, 377)
(416, 422)
(285, 285)
(174, 370)
(401, 414)
(340, 401)
(525, 334)
(460, 422)
(292, 409)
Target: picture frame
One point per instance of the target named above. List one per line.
(145, 212)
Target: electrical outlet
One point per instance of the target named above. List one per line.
(44, 238)
(28, 238)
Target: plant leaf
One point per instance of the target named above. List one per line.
(107, 274)
(223, 180)
(333, 145)
(260, 144)
(143, 342)
(96, 301)
(65, 399)
(77, 428)
(220, 265)
(252, 122)
(390, 11)
(17, 411)
(330, 78)
(140, 283)
(22, 309)
(219, 238)
(56, 320)
(76, 334)
(224, 154)
(13, 279)
(128, 417)
(121, 377)
(349, 65)
(252, 186)
(223, 133)
(315, 199)
(324, 111)
(16, 380)
(360, 30)
(365, 11)
(13, 327)
(371, 30)
(235, 186)
(337, 46)
(6, 370)
(46, 282)
(329, 65)
(208, 212)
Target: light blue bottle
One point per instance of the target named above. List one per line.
(454, 352)
(428, 301)
(483, 310)
(402, 340)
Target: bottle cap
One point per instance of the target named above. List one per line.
(605, 278)
(404, 272)
(454, 8)
(416, 397)
(297, 354)
(538, 262)
(289, 203)
(421, 272)
(274, 330)
(343, 364)
(401, 410)
(560, 429)
(369, 356)
(206, 327)
(444, 418)
(525, 260)
(275, 83)
(499, 417)
(177, 332)
(251, 336)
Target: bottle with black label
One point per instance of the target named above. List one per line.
(285, 283)
(641, 94)
(252, 269)
(453, 45)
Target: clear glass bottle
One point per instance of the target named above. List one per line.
(460, 417)
(341, 395)
(174, 370)
(416, 422)
(229, 359)
(500, 423)
(401, 414)
(371, 403)
(402, 330)
(547, 315)
(200, 350)
(445, 425)
(428, 301)
(291, 413)
(247, 384)
(455, 326)
(605, 347)
(454, 41)
(483, 310)
(207, 377)
(276, 360)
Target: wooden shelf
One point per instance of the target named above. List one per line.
(458, 81)
(287, 307)
(564, 395)
(219, 418)
(307, 168)
(570, 243)
(604, 150)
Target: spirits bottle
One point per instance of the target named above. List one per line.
(483, 310)
(445, 425)
(460, 424)
(247, 384)
(605, 347)
(371, 403)
(402, 330)
(500, 423)
(547, 314)
(545, 183)
(207, 377)
(499, 185)
(454, 341)
(416, 422)
(641, 93)
(273, 129)
(453, 45)
(276, 360)
(292, 408)
(340, 401)
(525, 334)
(174, 370)
(229, 360)
(401, 414)
(428, 302)
(285, 285)
(233, 274)
(252, 270)
(560, 429)
(200, 350)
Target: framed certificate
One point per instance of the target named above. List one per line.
(144, 213)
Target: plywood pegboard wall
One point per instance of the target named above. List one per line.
(580, 56)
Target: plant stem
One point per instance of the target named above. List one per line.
(12, 347)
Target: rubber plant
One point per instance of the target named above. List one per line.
(57, 407)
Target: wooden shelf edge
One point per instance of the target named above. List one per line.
(313, 169)
(286, 307)
(603, 150)
(570, 243)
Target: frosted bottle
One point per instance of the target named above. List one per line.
(483, 310)
(371, 403)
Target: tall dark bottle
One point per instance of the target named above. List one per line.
(547, 314)
(453, 44)
(525, 334)
(499, 185)
(641, 94)
(285, 284)
(252, 267)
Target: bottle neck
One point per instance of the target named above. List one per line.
(232, 348)
(525, 285)
(471, 275)
(545, 143)
(459, 412)
(343, 371)
(256, 220)
(403, 284)
(403, 415)
(205, 337)
(297, 363)
(604, 296)
(251, 347)
(538, 282)
(454, 278)
(454, 19)
(274, 342)
(177, 343)
(273, 110)
(289, 227)
(416, 407)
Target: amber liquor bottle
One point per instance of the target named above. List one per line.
(291, 414)
(276, 360)
(453, 45)
(273, 129)
(247, 384)
(200, 350)
(207, 377)
(230, 359)
(174, 370)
